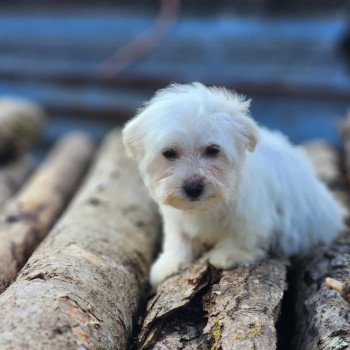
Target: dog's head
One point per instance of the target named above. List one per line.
(190, 142)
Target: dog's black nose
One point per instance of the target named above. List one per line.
(193, 189)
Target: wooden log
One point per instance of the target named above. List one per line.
(203, 308)
(81, 288)
(244, 306)
(321, 313)
(21, 122)
(26, 219)
(12, 175)
(175, 316)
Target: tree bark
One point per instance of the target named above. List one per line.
(81, 288)
(27, 218)
(244, 307)
(21, 122)
(202, 308)
(12, 176)
(175, 317)
(322, 315)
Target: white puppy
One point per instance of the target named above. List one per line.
(228, 190)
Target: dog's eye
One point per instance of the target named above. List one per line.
(170, 154)
(212, 150)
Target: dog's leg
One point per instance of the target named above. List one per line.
(227, 254)
(176, 255)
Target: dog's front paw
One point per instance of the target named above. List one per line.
(228, 259)
(220, 261)
(165, 266)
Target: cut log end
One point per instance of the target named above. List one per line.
(21, 122)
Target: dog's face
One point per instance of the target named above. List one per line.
(190, 143)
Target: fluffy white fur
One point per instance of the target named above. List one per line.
(260, 193)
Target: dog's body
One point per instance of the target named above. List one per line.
(228, 191)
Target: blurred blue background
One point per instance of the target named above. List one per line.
(92, 63)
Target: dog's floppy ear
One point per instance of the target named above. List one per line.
(249, 132)
(246, 131)
(133, 135)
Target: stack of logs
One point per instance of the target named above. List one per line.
(76, 277)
